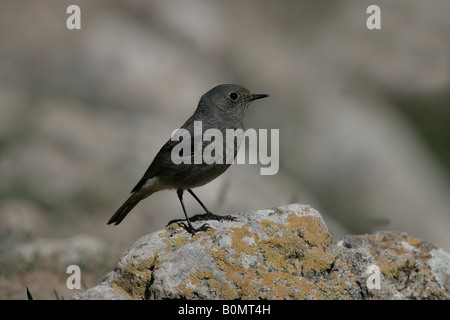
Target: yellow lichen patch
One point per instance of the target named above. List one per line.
(392, 269)
(187, 289)
(121, 286)
(240, 280)
(249, 284)
(136, 277)
(239, 245)
(302, 235)
(175, 240)
(332, 288)
(218, 255)
(244, 282)
(271, 228)
(285, 285)
(413, 241)
(204, 274)
(278, 251)
(316, 259)
(287, 211)
(310, 228)
(223, 290)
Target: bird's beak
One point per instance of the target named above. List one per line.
(256, 97)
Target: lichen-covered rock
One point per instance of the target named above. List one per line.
(414, 269)
(279, 253)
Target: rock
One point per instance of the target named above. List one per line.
(279, 253)
(412, 268)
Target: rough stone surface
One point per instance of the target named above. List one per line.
(279, 253)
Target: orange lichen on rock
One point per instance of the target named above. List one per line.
(280, 253)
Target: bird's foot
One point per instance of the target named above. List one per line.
(211, 216)
(189, 228)
(205, 216)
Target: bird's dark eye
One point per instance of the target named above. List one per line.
(233, 96)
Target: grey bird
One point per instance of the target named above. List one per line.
(223, 107)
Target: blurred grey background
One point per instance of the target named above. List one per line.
(363, 117)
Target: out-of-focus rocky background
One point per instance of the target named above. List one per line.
(363, 118)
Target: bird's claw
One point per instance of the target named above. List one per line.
(189, 228)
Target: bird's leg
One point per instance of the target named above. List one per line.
(208, 215)
(189, 228)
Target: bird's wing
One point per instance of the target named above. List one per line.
(160, 163)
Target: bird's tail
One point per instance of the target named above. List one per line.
(122, 212)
